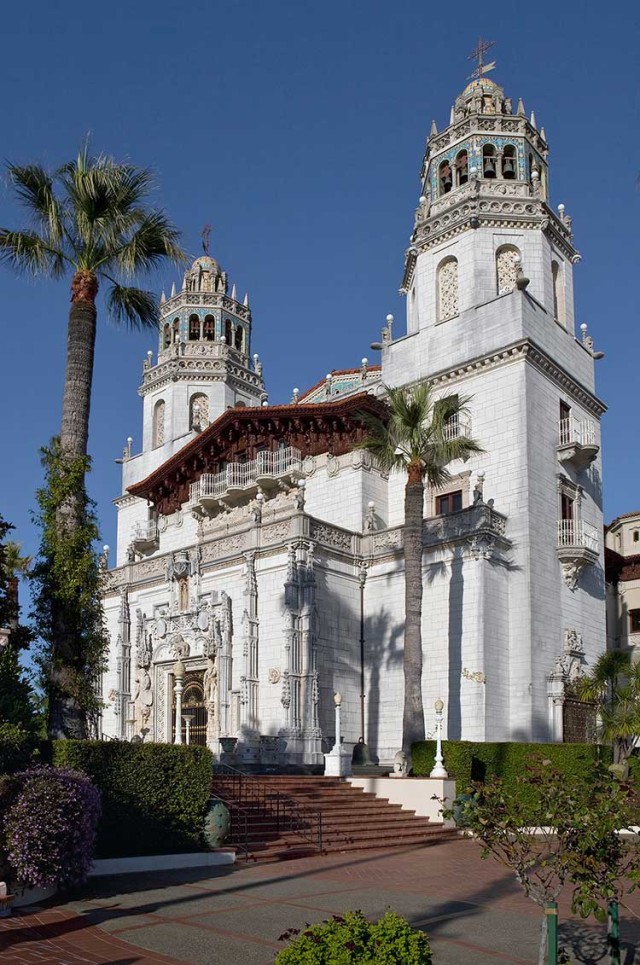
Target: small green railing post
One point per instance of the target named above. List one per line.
(613, 938)
(552, 932)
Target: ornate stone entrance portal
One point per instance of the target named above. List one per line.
(194, 709)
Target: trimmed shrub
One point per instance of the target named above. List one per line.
(352, 938)
(154, 796)
(468, 762)
(49, 828)
(16, 746)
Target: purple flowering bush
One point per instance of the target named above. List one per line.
(49, 829)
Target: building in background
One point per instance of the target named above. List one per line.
(622, 557)
(253, 542)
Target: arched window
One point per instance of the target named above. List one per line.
(228, 334)
(488, 161)
(209, 329)
(509, 163)
(444, 178)
(507, 261)
(462, 169)
(194, 328)
(447, 289)
(158, 423)
(238, 337)
(636, 536)
(557, 277)
(199, 411)
(176, 330)
(166, 336)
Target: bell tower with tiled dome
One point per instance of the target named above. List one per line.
(488, 278)
(204, 364)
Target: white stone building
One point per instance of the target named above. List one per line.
(257, 546)
(622, 549)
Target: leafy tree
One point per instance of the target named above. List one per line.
(570, 839)
(613, 685)
(417, 437)
(16, 695)
(90, 219)
(67, 590)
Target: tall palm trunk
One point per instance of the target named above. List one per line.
(81, 341)
(66, 716)
(413, 714)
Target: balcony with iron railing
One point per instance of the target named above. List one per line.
(145, 537)
(577, 547)
(457, 427)
(577, 441)
(241, 480)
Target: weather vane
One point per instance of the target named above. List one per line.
(206, 231)
(478, 54)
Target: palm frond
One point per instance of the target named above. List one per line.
(416, 431)
(34, 187)
(132, 306)
(154, 240)
(26, 252)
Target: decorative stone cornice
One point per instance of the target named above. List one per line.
(125, 500)
(219, 363)
(523, 349)
(501, 204)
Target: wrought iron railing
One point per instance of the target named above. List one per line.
(240, 475)
(247, 798)
(575, 532)
(146, 532)
(582, 432)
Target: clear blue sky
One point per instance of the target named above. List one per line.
(297, 129)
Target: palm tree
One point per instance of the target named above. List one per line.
(613, 686)
(13, 566)
(90, 219)
(418, 437)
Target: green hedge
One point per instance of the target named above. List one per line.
(154, 796)
(467, 761)
(16, 747)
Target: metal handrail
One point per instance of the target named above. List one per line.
(289, 815)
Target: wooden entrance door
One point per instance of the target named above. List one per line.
(194, 706)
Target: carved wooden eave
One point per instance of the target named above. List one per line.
(238, 434)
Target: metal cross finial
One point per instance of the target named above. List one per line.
(478, 54)
(206, 231)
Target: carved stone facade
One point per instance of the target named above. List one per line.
(263, 515)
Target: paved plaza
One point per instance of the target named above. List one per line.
(472, 910)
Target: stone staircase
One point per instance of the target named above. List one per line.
(277, 817)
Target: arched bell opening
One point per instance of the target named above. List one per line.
(462, 168)
(488, 161)
(194, 328)
(509, 163)
(445, 179)
(209, 328)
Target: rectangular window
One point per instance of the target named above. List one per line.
(449, 503)
(565, 410)
(634, 621)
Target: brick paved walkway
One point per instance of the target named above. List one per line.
(472, 910)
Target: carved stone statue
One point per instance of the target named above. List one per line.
(401, 764)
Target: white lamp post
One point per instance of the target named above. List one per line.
(438, 769)
(178, 673)
(187, 718)
(337, 699)
(337, 763)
